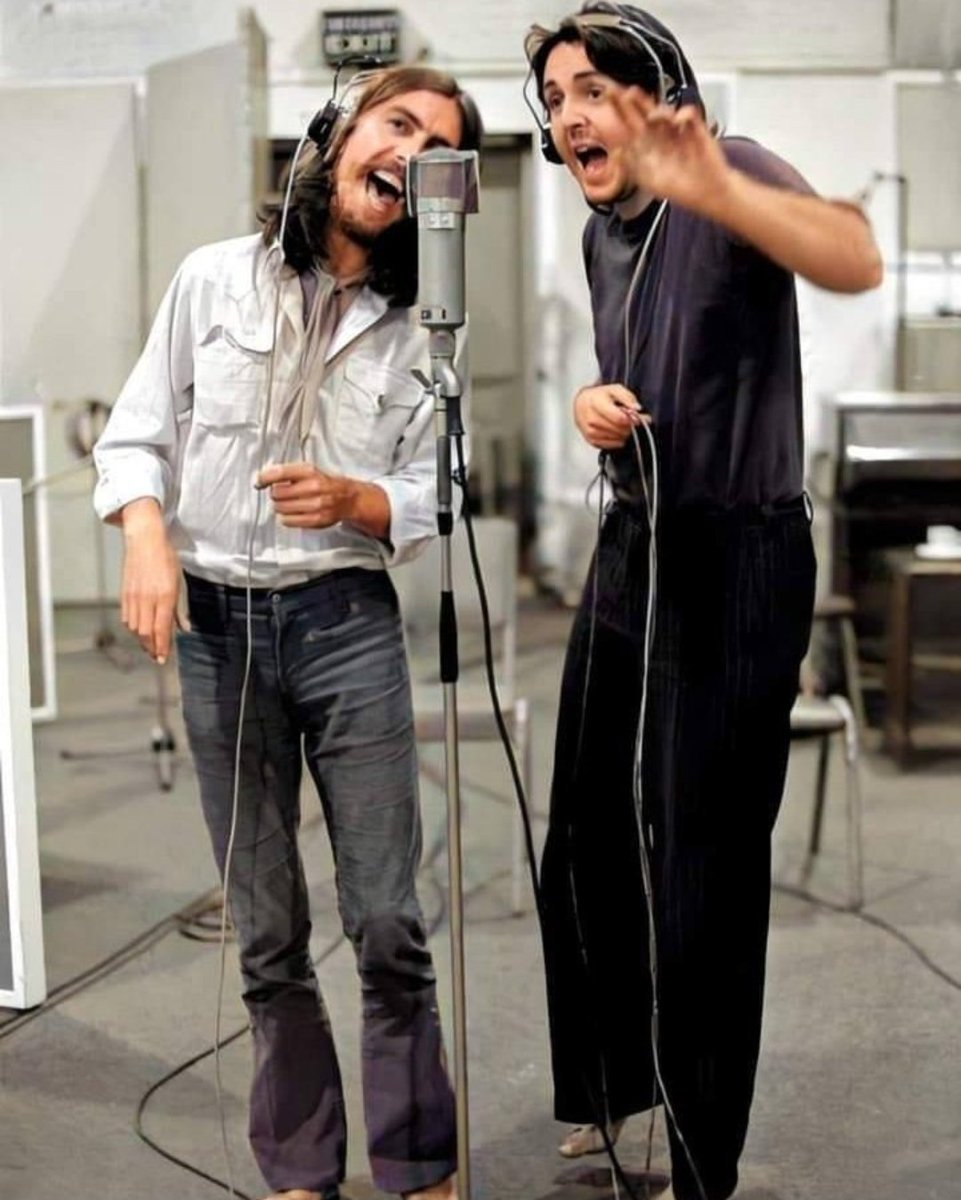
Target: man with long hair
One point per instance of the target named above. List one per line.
(273, 445)
(683, 661)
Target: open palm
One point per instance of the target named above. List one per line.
(674, 154)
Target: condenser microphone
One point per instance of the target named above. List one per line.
(442, 188)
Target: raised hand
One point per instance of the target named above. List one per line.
(674, 155)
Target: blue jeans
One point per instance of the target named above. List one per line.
(328, 684)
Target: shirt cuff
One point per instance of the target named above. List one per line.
(413, 518)
(125, 479)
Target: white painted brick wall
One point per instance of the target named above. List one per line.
(759, 34)
(76, 37)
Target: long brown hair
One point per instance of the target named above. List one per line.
(393, 254)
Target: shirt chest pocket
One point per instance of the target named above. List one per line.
(231, 369)
(375, 405)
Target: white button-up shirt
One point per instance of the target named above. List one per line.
(188, 427)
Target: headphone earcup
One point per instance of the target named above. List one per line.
(678, 97)
(549, 149)
(322, 125)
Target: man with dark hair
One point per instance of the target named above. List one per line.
(683, 661)
(288, 368)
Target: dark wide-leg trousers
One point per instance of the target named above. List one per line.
(733, 614)
(329, 683)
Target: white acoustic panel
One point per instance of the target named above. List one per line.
(929, 153)
(22, 457)
(847, 341)
(22, 976)
(927, 33)
(69, 280)
(781, 34)
(206, 141)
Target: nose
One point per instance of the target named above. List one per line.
(401, 158)
(567, 115)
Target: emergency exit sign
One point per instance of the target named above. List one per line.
(346, 32)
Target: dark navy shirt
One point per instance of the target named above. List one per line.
(714, 348)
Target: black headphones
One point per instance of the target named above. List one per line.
(603, 15)
(323, 123)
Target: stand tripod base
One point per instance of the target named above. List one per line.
(162, 745)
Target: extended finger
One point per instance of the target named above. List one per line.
(128, 610)
(139, 618)
(146, 620)
(163, 625)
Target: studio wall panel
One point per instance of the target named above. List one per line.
(69, 291)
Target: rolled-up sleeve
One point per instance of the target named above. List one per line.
(412, 486)
(137, 453)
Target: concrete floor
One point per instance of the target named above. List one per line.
(859, 1090)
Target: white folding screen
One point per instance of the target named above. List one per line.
(22, 975)
(23, 457)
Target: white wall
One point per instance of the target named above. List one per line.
(837, 130)
(736, 33)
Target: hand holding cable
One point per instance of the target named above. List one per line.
(305, 497)
(606, 414)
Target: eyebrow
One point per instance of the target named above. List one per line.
(578, 78)
(436, 140)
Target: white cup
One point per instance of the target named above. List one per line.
(943, 535)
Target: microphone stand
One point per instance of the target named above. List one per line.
(445, 386)
(442, 188)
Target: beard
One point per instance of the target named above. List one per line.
(354, 228)
(356, 231)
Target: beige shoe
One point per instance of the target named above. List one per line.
(587, 1139)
